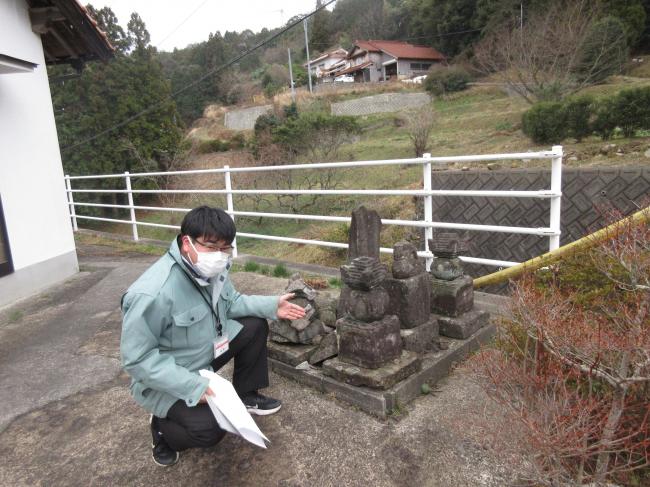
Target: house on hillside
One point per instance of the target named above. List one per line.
(328, 63)
(385, 60)
(37, 247)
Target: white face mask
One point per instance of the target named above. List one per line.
(209, 264)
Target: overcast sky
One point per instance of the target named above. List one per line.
(167, 24)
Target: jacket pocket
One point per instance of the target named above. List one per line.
(192, 327)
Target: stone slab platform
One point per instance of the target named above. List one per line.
(384, 377)
(292, 354)
(435, 366)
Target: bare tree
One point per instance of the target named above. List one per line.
(419, 127)
(559, 51)
(574, 366)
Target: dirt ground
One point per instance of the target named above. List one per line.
(67, 417)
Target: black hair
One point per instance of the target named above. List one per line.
(210, 223)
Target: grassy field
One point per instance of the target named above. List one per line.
(481, 120)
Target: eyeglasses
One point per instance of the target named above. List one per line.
(212, 247)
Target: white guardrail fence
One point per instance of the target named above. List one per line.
(554, 194)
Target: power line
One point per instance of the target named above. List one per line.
(196, 82)
(432, 36)
(182, 23)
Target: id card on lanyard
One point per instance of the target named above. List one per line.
(220, 345)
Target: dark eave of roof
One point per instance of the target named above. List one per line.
(68, 33)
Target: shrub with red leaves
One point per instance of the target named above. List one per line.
(573, 363)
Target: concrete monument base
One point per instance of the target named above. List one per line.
(421, 338)
(291, 354)
(435, 366)
(464, 325)
(383, 377)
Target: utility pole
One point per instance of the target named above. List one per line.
(304, 24)
(521, 16)
(293, 89)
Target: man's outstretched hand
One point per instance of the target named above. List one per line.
(287, 310)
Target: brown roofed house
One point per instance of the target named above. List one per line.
(383, 60)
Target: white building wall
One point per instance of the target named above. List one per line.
(31, 175)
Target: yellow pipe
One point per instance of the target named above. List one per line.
(640, 217)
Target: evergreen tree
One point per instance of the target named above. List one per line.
(106, 95)
(632, 15)
(321, 29)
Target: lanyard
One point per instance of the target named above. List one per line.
(200, 291)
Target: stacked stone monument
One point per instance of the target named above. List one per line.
(370, 346)
(410, 299)
(452, 291)
(296, 341)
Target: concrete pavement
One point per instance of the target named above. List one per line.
(67, 417)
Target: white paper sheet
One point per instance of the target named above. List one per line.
(230, 412)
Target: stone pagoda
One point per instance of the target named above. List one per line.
(452, 291)
(409, 289)
(370, 351)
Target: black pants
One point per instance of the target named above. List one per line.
(189, 427)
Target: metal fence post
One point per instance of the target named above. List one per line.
(428, 206)
(230, 205)
(134, 222)
(68, 192)
(556, 201)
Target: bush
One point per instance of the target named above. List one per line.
(605, 118)
(632, 110)
(545, 123)
(280, 271)
(214, 145)
(446, 79)
(238, 141)
(577, 113)
(266, 123)
(317, 134)
(570, 364)
(251, 266)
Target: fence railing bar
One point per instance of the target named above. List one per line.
(542, 232)
(332, 165)
(383, 250)
(347, 192)
(427, 192)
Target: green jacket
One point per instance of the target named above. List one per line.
(168, 330)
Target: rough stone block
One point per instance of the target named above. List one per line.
(369, 345)
(344, 301)
(406, 262)
(410, 299)
(394, 371)
(278, 338)
(446, 269)
(292, 354)
(364, 273)
(326, 309)
(368, 306)
(327, 348)
(363, 305)
(421, 338)
(365, 229)
(463, 326)
(452, 298)
(284, 329)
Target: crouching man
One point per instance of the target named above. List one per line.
(183, 315)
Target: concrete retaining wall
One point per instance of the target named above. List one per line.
(386, 102)
(244, 119)
(584, 193)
